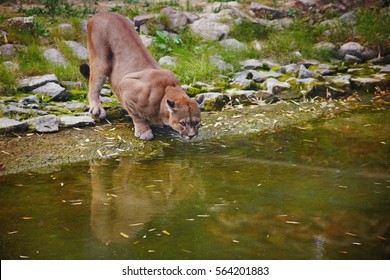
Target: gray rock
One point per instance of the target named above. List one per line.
(7, 124)
(352, 59)
(214, 101)
(260, 76)
(355, 49)
(251, 64)
(22, 22)
(30, 83)
(55, 56)
(266, 12)
(365, 83)
(105, 99)
(233, 44)
(32, 99)
(268, 64)
(55, 91)
(243, 78)
(75, 106)
(167, 61)
(349, 18)
(177, 20)
(105, 92)
(273, 86)
(10, 65)
(142, 19)
(65, 26)
(76, 121)
(78, 50)
(7, 50)
(290, 68)
(84, 25)
(221, 65)
(210, 30)
(304, 73)
(146, 40)
(339, 82)
(325, 45)
(385, 69)
(45, 124)
(13, 109)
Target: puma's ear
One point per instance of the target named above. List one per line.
(171, 106)
(200, 100)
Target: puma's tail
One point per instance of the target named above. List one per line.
(84, 69)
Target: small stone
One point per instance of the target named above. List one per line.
(65, 26)
(251, 64)
(55, 56)
(7, 50)
(365, 83)
(304, 73)
(385, 69)
(266, 12)
(105, 99)
(28, 84)
(45, 124)
(22, 22)
(290, 68)
(260, 76)
(168, 61)
(142, 19)
(146, 40)
(273, 86)
(53, 90)
(76, 121)
(32, 99)
(76, 106)
(7, 125)
(221, 65)
(79, 50)
(233, 44)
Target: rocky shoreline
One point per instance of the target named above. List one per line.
(261, 96)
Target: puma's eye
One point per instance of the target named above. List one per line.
(182, 123)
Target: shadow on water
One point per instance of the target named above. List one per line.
(321, 191)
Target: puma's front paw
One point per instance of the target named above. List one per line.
(144, 135)
(98, 111)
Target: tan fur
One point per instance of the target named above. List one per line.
(150, 94)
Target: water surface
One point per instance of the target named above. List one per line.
(321, 191)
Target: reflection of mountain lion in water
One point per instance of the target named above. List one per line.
(148, 93)
(131, 193)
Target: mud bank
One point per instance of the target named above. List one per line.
(41, 152)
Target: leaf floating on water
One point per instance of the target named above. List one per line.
(343, 187)
(27, 218)
(203, 216)
(350, 234)
(150, 186)
(165, 232)
(151, 251)
(381, 237)
(24, 257)
(2, 166)
(136, 224)
(343, 252)
(124, 235)
(235, 241)
(292, 222)
(186, 251)
(356, 243)
(12, 232)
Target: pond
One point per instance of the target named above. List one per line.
(317, 191)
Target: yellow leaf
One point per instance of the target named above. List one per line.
(166, 232)
(124, 235)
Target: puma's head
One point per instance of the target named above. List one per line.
(184, 115)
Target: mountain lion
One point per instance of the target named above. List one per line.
(150, 94)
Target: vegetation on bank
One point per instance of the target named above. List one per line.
(193, 53)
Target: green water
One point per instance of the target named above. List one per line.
(321, 191)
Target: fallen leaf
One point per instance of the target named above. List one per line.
(166, 232)
(124, 235)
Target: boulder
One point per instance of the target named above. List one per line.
(55, 56)
(45, 124)
(52, 90)
(210, 30)
(7, 124)
(142, 19)
(76, 121)
(78, 50)
(30, 83)
(177, 20)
